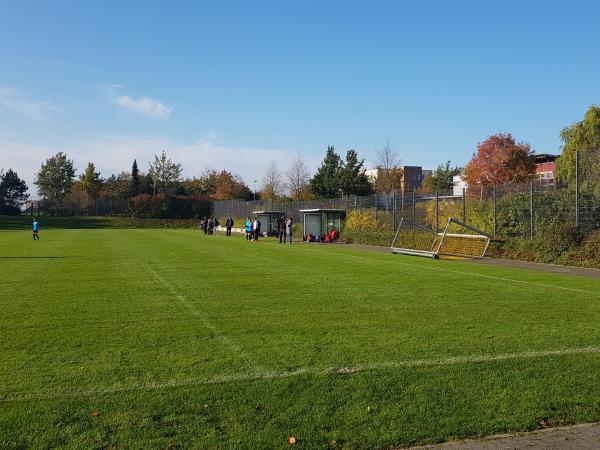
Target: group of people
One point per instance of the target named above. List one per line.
(285, 229)
(331, 236)
(209, 225)
(252, 227)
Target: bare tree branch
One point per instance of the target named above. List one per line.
(272, 182)
(298, 177)
(386, 157)
(389, 172)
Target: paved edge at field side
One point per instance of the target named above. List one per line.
(575, 437)
(539, 267)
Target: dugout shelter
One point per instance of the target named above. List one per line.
(268, 220)
(321, 221)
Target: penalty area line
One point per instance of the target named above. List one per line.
(311, 371)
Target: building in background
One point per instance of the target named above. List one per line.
(458, 185)
(545, 168)
(412, 177)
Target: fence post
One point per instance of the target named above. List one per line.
(494, 210)
(414, 207)
(402, 203)
(437, 213)
(394, 211)
(577, 189)
(531, 230)
(464, 206)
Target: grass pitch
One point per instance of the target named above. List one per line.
(167, 338)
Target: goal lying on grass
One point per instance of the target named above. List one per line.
(457, 239)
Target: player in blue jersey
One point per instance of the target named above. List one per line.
(36, 228)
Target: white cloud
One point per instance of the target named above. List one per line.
(114, 153)
(6, 91)
(145, 105)
(17, 102)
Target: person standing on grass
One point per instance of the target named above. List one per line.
(248, 229)
(281, 229)
(36, 229)
(288, 228)
(217, 226)
(228, 226)
(256, 228)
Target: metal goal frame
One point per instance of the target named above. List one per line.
(437, 243)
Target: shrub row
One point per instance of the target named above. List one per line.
(559, 244)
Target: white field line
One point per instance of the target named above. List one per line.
(314, 371)
(461, 272)
(237, 350)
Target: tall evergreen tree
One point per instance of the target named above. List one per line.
(13, 192)
(326, 182)
(353, 180)
(135, 179)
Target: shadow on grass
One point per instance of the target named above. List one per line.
(16, 223)
(34, 257)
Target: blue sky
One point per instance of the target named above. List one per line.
(237, 84)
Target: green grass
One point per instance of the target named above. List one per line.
(162, 338)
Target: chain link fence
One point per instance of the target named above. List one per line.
(511, 210)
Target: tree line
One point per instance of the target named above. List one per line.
(499, 159)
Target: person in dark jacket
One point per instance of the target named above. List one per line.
(289, 228)
(256, 229)
(281, 229)
(229, 225)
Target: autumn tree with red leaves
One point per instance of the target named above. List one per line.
(499, 159)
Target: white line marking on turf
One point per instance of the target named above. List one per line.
(316, 371)
(461, 272)
(237, 350)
